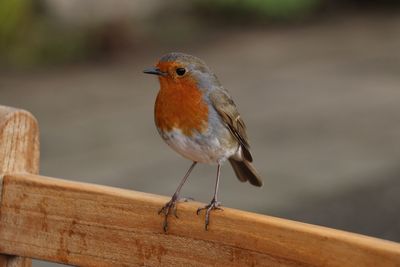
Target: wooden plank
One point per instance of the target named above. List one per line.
(19, 152)
(91, 225)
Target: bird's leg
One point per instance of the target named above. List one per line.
(214, 204)
(170, 206)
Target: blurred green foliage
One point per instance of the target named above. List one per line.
(29, 37)
(260, 9)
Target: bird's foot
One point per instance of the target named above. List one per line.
(214, 205)
(170, 208)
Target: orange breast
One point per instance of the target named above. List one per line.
(180, 105)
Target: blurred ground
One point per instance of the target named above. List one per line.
(321, 103)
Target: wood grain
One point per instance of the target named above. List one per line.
(19, 153)
(91, 225)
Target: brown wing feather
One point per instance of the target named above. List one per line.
(226, 108)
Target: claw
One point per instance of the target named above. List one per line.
(175, 214)
(214, 205)
(165, 226)
(170, 208)
(186, 199)
(198, 211)
(162, 210)
(166, 210)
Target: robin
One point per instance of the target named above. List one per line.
(197, 117)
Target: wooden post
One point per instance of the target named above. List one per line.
(19, 153)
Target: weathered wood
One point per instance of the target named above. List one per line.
(91, 225)
(19, 152)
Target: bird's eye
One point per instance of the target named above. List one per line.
(180, 71)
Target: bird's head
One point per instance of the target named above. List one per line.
(179, 70)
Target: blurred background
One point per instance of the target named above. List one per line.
(317, 82)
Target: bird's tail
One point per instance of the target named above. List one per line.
(245, 171)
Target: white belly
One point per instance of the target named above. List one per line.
(200, 148)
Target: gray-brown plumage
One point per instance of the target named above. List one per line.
(227, 109)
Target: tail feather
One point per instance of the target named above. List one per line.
(245, 171)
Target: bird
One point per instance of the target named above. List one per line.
(197, 117)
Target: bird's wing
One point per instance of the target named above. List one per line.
(226, 108)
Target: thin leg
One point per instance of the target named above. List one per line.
(217, 182)
(171, 205)
(214, 204)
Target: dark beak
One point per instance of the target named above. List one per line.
(155, 71)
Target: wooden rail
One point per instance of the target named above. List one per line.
(91, 225)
